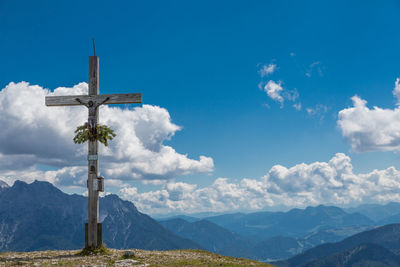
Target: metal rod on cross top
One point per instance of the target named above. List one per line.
(94, 183)
(94, 48)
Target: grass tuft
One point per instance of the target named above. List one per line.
(86, 251)
(126, 257)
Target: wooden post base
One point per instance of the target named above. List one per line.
(99, 235)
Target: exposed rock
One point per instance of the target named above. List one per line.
(129, 254)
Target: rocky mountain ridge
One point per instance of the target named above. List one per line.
(38, 216)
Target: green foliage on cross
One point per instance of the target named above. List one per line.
(103, 134)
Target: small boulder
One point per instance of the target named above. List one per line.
(129, 254)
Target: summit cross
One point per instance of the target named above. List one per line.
(95, 184)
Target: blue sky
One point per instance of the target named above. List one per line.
(201, 61)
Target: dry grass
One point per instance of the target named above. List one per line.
(116, 258)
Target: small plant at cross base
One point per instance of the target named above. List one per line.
(103, 134)
(94, 251)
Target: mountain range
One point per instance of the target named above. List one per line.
(366, 255)
(218, 239)
(294, 223)
(38, 216)
(212, 237)
(378, 213)
(384, 239)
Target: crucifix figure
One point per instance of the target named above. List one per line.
(93, 234)
(92, 119)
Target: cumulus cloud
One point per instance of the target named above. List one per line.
(68, 177)
(267, 70)
(274, 90)
(331, 183)
(368, 129)
(34, 134)
(396, 90)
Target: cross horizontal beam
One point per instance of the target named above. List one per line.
(70, 100)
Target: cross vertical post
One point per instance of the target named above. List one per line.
(93, 163)
(93, 229)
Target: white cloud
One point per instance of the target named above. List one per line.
(35, 134)
(277, 93)
(273, 90)
(68, 177)
(291, 95)
(318, 110)
(267, 70)
(330, 183)
(368, 129)
(297, 106)
(315, 66)
(154, 182)
(396, 90)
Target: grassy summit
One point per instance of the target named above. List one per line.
(117, 258)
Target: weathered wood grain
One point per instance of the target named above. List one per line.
(93, 165)
(70, 100)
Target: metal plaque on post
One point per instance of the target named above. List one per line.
(92, 157)
(100, 184)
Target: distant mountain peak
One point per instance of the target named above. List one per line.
(118, 202)
(39, 216)
(113, 197)
(40, 187)
(19, 183)
(3, 184)
(324, 208)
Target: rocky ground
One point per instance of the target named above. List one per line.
(123, 258)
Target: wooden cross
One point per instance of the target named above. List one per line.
(93, 235)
